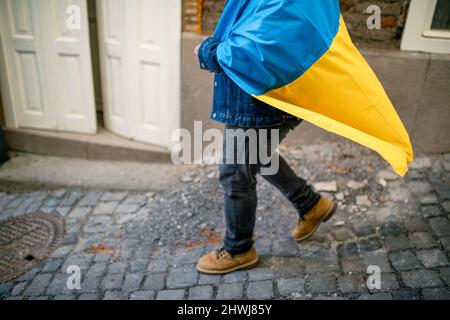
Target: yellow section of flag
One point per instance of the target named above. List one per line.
(341, 94)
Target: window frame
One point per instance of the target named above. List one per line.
(418, 35)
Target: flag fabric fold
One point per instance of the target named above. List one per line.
(297, 56)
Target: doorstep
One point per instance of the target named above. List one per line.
(102, 146)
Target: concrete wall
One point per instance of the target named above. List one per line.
(417, 83)
(196, 87)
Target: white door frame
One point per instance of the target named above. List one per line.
(175, 38)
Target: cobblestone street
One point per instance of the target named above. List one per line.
(144, 245)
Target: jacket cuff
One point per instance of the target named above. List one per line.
(207, 55)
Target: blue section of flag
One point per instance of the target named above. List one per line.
(267, 44)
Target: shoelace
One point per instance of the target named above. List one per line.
(220, 253)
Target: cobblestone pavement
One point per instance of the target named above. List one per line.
(132, 245)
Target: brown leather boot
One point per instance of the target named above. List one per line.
(321, 212)
(221, 262)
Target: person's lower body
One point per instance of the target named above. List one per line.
(241, 163)
(238, 180)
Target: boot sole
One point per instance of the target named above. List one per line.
(248, 265)
(325, 218)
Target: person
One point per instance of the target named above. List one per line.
(241, 112)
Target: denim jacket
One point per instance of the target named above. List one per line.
(231, 105)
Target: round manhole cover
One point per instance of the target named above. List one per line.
(26, 241)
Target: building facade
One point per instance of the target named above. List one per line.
(77, 71)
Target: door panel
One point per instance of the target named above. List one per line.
(112, 18)
(46, 68)
(149, 125)
(71, 65)
(24, 49)
(146, 53)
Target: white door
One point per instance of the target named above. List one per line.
(71, 68)
(46, 72)
(23, 69)
(111, 17)
(140, 61)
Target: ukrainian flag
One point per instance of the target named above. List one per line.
(297, 56)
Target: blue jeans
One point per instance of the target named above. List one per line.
(239, 185)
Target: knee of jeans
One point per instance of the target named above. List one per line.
(239, 189)
(236, 184)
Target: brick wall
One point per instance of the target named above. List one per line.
(393, 17)
(190, 15)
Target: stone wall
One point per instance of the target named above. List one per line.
(393, 17)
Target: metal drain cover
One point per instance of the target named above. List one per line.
(26, 241)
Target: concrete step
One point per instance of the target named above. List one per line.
(102, 146)
(26, 172)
